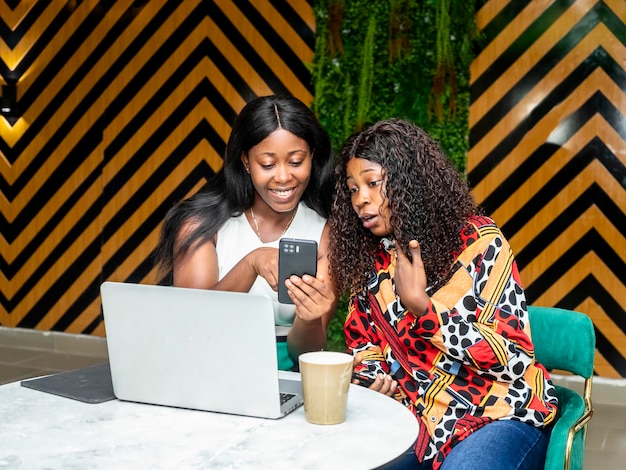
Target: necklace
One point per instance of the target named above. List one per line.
(256, 224)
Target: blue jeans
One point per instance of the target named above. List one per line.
(500, 445)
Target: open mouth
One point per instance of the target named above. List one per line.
(368, 220)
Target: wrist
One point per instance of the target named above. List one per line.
(419, 306)
(308, 324)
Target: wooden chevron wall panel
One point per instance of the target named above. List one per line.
(548, 153)
(122, 109)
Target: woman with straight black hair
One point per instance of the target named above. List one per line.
(276, 181)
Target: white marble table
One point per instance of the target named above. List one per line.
(39, 430)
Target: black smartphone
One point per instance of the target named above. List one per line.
(295, 256)
(363, 380)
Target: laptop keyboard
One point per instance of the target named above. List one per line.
(285, 397)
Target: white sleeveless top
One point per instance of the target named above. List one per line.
(237, 238)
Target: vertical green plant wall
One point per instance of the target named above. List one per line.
(406, 59)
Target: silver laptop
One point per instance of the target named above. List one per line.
(193, 348)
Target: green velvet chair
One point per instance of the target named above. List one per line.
(565, 341)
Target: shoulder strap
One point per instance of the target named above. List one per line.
(391, 335)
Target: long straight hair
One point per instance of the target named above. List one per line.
(230, 191)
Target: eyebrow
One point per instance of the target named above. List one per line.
(289, 153)
(367, 170)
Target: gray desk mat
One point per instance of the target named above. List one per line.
(90, 385)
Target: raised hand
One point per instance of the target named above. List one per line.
(410, 279)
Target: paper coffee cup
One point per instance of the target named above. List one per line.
(325, 384)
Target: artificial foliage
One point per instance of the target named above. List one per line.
(385, 59)
(395, 58)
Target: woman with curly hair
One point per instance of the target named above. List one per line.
(276, 181)
(437, 315)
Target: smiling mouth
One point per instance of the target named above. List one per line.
(283, 192)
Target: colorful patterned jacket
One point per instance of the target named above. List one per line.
(470, 354)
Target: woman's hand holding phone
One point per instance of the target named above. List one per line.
(384, 384)
(296, 257)
(362, 380)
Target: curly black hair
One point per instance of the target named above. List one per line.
(428, 202)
